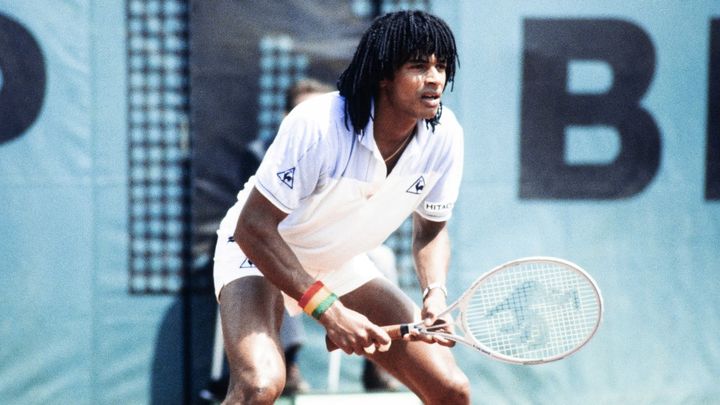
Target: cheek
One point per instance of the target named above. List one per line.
(412, 85)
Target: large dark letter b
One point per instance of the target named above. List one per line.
(548, 109)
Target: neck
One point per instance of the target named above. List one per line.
(399, 149)
(391, 129)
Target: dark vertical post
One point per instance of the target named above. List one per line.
(712, 156)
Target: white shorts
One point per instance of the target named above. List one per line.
(232, 264)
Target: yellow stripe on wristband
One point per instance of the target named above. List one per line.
(315, 300)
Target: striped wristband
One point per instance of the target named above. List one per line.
(317, 299)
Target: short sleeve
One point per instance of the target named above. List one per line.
(292, 166)
(439, 202)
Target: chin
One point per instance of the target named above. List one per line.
(430, 116)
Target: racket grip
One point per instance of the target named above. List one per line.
(396, 332)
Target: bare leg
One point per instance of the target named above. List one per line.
(251, 310)
(429, 370)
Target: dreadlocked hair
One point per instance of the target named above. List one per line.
(392, 40)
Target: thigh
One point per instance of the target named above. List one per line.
(421, 366)
(251, 309)
(382, 302)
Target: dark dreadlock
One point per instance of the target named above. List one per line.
(392, 40)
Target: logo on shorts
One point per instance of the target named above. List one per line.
(287, 177)
(247, 264)
(418, 186)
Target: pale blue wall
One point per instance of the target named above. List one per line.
(70, 333)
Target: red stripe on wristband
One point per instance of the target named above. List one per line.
(311, 291)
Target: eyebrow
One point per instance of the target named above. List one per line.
(425, 59)
(418, 59)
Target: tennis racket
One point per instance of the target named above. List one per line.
(532, 310)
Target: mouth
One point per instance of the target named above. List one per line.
(431, 99)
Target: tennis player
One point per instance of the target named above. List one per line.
(344, 171)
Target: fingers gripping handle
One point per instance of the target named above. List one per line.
(396, 332)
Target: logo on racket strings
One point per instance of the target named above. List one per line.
(526, 306)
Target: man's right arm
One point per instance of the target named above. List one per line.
(257, 235)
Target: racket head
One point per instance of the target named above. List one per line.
(531, 310)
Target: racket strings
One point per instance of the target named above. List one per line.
(533, 310)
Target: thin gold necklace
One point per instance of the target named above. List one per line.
(402, 145)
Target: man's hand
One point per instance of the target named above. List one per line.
(433, 305)
(352, 332)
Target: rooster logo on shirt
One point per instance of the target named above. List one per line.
(287, 177)
(417, 187)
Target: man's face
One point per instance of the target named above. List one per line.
(416, 88)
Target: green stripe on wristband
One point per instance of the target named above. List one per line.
(324, 305)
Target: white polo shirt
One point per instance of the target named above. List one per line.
(335, 189)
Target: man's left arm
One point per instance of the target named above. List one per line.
(431, 252)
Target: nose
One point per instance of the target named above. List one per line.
(435, 75)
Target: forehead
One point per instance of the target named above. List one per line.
(424, 58)
(424, 54)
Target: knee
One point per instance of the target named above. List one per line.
(254, 389)
(454, 389)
